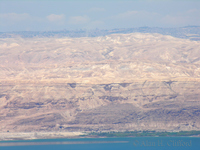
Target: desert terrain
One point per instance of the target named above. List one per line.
(119, 82)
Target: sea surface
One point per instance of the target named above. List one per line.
(127, 143)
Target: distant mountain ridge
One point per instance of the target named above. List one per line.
(187, 32)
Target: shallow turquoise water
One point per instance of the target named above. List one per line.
(130, 143)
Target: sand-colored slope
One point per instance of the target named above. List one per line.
(117, 82)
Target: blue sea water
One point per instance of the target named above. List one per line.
(128, 143)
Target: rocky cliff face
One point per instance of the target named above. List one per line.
(118, 82)
(148, 105)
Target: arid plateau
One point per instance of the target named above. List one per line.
(119, 82)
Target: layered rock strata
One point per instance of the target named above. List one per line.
(113, 83)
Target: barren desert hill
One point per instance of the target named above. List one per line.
(154, 54)
(137, 81)
(136, 46)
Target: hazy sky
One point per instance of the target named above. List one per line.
(45, 15)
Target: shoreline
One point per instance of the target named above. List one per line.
(22, 136)
(9, 136)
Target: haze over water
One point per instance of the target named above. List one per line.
(147, 143)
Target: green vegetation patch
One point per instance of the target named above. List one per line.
(144, 134)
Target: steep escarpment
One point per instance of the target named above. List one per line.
(150, 105)
(118, 82)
